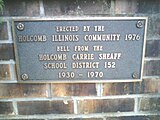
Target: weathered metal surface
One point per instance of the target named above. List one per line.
(80, 49)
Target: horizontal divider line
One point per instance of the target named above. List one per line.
(72, 116)
(83, 98)
(151, 58)
(153, 39)
(151, 77)
(8, 81)
(5, 41)
(134, 15)
(11, 61)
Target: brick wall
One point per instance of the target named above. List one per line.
(101, 101)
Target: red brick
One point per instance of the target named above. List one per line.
(6, 51)
(122, 88)
(117, 88)
(153, 48)
(6, 108)
(91, 119)
(79, 119)
(114, 118)
(125, 6)
(135, 118)
(61, 7)
(150, 104)
(45, 107)
(148, 6)
(152, 68)
(146, 86)
(151, 86)
(23, 119)
(4, 72)
(104, 106)
(23, 90)
(3, 31)
(21, 8)
(73, 90)
(153, 29)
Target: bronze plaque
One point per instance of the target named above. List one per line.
(93, 49)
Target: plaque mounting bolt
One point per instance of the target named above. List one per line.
(20, 26)
(24, 77)
(135, 75)
(139, 24)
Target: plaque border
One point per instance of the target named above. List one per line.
(70, 18)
